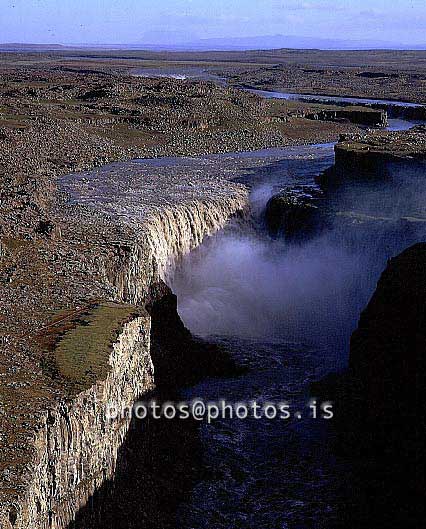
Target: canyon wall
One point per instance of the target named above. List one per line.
(75, 447)
(367, 155)
(360, 116)
(383, 404)
(387, 349)
(77, 444)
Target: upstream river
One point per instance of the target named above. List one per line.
(394, 108)
(284, 311)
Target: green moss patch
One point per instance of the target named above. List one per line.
(83, 341)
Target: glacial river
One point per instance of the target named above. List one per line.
(326, 99)
(394, 108)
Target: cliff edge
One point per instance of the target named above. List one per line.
(76, 329)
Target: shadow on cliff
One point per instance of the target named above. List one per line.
(156, 468)
(160, 459)
(379, 400)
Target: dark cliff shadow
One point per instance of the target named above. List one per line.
(379, 411)
(160, 459)
(157, 466)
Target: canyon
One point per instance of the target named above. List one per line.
(54, 428)
(87, 248)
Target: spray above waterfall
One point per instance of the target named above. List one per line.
(242, 282)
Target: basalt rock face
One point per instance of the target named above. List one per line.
(386, 390)
(120, 232)
(178, 357)
(76, 444)
(379, 400)
(295, 212)
(388, 348)
(415, 112)
(376, 114)
(359, 116)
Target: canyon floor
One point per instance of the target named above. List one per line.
(93, 247)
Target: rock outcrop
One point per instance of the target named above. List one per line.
(388, 347)
(76, 445)
(367, 155)
(360, 116)
(386, 389)
(409, 112)
(295, 212)
(379, 401)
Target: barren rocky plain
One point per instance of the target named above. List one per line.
(98, 262)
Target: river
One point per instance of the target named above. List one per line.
(395, 109)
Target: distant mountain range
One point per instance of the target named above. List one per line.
(296, 42)
(232, 44)
(18, 46)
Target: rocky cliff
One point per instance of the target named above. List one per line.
(386, 391)
(387, 349)
(296, 212)
(379, 401)
(366, 155)
(76, 445)
(361, 116)
(120, 229)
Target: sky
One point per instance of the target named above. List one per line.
(181, 21)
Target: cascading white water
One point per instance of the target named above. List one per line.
(175, 231)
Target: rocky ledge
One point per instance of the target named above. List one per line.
(366, 116)
(295, 212)
(368, 154)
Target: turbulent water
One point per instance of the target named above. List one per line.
(286, 311)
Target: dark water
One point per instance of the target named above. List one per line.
(266, 473)
(395, 124)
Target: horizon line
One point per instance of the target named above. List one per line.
(198, 47)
